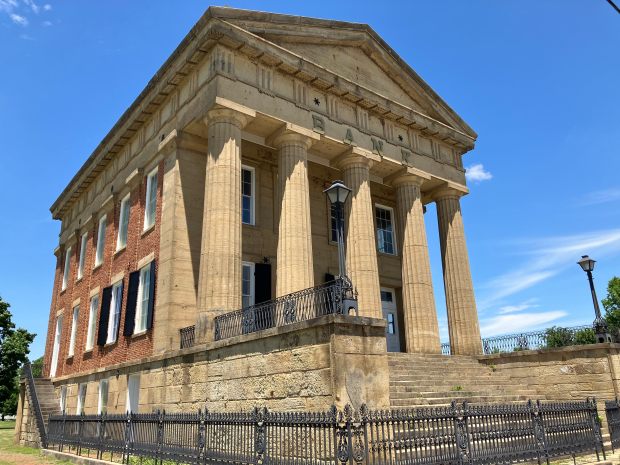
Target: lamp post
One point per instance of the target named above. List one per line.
(599, 325)
(337, 194)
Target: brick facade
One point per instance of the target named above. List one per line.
(139, 245)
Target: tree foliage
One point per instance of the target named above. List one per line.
(14, 350)
(611, 303)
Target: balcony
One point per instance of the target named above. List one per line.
(334, 297)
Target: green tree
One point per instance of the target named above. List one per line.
(559, 337)
(14, 350)
(611, 304)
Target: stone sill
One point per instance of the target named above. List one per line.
(335, 322)
(555, 350)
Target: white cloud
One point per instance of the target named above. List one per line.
(602, 196)
(47, 7)
(510, 323)
(477, 173)
(7, 6)
(546, 258)
(518, 307)
(33, 6)
(47, 23)
(18, 19)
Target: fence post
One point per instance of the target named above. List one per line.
(358, 438)
(100, 430)
(160, 434)
(64, 431)
(459, 416)
(80, 432)
(125, 458)
(596, 428)
(539, 430)
(260, 437)
(342, 425)
(202, 417)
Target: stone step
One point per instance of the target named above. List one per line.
(443, 401)
(404, 389)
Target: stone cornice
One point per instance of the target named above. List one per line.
(208, 31)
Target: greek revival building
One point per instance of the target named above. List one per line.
(198, 253)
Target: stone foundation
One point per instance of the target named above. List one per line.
(304, 366)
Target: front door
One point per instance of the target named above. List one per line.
(388, 305)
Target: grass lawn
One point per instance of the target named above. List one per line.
(11, 454)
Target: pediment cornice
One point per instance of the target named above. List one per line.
(210, 31)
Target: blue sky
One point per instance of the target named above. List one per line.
(538, 80)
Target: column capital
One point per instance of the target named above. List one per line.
(291, 134)
(355, 156)
(449, 191)
(407, 176)
(227, 115)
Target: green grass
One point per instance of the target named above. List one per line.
(7, 446)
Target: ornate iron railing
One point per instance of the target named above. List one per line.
(523, 341)
(334, 297)
(612, 412)
(447, 435)
(34, 403)
(188, 336)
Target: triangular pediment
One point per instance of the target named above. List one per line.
(351, 50)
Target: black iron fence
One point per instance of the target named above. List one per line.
(612, 412)
(334, 297)
(455, 434)
(529, 341)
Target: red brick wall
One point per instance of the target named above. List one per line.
(139, 245)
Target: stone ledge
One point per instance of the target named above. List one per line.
(338, 324)
(74, 458)
(570, 350)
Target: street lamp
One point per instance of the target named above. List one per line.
(599, 325)
(337, 194)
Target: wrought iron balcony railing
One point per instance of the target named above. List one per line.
(528, 341)
(334, 297)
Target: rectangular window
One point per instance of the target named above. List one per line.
(115, 312)
(65, 274)
(83, 242)
(333, 223)
(100, 240)
(247, 284)
(123, 223)
(56, 348)
(247, 195)
(63, 399)
(390, 323)
(133, 393)
(74, 323)
(142, 306)
(92, 321)
(150, 205)
(102, 401)
(80, 399)
(385, 230)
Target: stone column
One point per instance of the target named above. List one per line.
(462, 315)
(219, 282)
(420, 315)
(361, 246)
(294, 260)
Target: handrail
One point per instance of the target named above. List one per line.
(34, 403)
(334, 297)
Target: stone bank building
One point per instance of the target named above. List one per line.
(206, 200)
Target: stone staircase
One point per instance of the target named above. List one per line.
(48, 403)
(429, 379)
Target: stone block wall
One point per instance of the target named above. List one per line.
(568, 373)
(304, 366)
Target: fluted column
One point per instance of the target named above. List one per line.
(219, 282)
(420, 315)
(361, 247)
(460, 302)
(294, 260)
